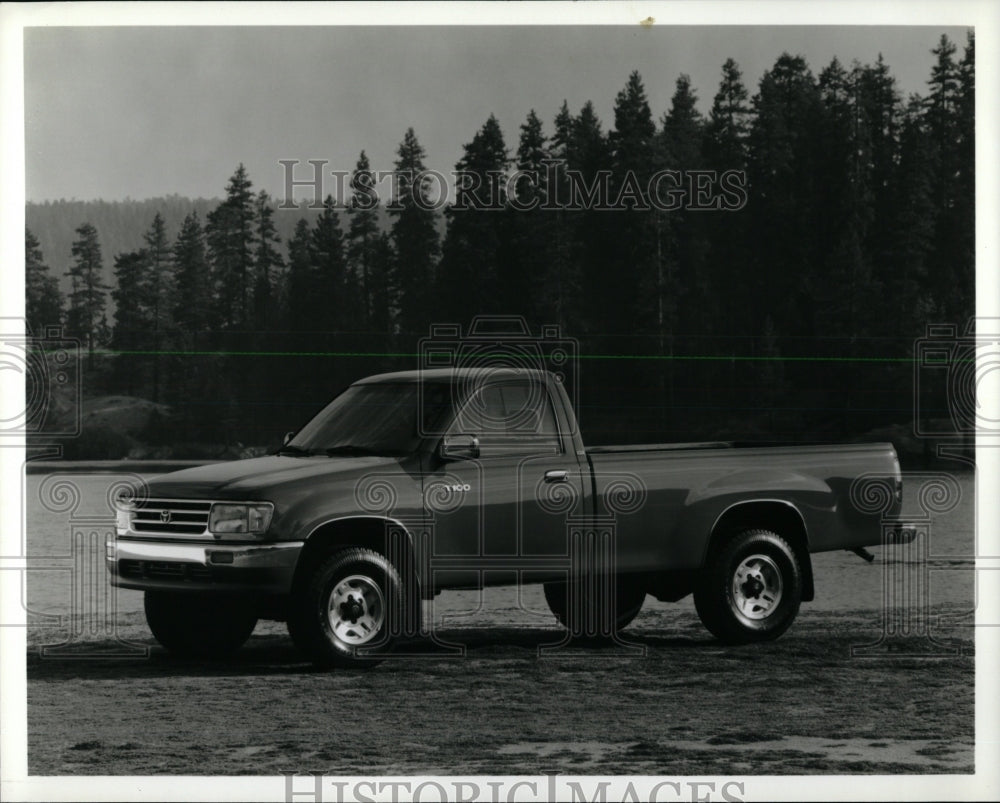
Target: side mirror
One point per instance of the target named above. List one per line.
(288, 436)
(459, 447)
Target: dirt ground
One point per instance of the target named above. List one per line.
(672, 701)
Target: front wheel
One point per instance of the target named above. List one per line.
(751, 588)
(200, 625)
(348, 611)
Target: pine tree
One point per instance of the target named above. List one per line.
(381, 286)
(414, 238)
(909, 291)
(683, 127)
(532, 156)
(949, 118)
(133, 324)
(942, 128)
(682, 288)
(844, 280)
(964, 210)
(230, 236)
(783, 207)
(631, 141)
(268, 264)
(363, 236)
(299, 294)
(589, 151)
(43, 303)
(87, 298)
(159, 288)
(632, 286)
(729, 122)
(193, 306)
(193, 299)
(725, 149)
(684, 243)
(471, 262)
(634, 156)
(559, 295)
(157, 293)
(534, 272)
(944, 95)
(880, 111)
(563, 135)
(588, 158)
(331, 304)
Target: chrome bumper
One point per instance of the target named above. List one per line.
(261, 568)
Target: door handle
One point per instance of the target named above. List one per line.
(557, 476)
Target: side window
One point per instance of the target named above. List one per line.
(510, 418)
(482, 414)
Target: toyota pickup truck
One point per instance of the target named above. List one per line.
(413, 482)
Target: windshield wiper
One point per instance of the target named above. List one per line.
(298, 451)
(353, 450)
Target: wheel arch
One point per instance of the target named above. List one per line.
(383, 535)
(778, 515)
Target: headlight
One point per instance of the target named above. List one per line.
(240, 518)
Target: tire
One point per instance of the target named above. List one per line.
(751, 588)
(585, 615)
(200, 625)
(348, 611)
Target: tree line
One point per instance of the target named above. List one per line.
(791, 317)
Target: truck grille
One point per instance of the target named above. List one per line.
(170, 517)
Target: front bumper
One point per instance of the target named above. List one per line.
(258, 568)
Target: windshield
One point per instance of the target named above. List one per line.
(373, 419)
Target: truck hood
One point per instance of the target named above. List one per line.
(246, 479)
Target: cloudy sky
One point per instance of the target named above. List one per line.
(145, 111)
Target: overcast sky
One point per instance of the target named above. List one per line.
(141, 112)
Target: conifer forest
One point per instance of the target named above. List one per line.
(789, 314)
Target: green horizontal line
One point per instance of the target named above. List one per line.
(406, 354)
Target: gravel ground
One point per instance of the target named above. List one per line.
(669, 701)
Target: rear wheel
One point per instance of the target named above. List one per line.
(348, 612)
(750, 589)
(200, 625)
(593, 609)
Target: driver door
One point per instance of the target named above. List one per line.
(493, 513)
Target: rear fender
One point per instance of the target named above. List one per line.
(777, 515)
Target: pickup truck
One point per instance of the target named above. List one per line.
(412, 482)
